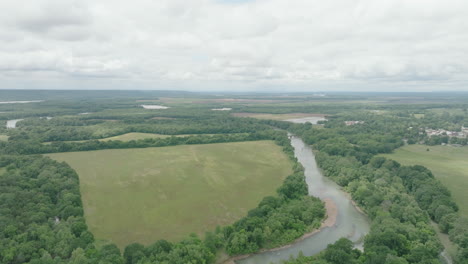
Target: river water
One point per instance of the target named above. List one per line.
(350, 223)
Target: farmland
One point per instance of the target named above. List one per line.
(148, 194)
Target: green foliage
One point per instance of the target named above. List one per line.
(41, 215)
(276, 221)
(293, 187)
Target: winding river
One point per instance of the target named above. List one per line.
(349, 223)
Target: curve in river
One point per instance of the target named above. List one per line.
(349, 223)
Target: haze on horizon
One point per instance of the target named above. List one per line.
(235, 45)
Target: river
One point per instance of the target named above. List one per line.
(349, 223)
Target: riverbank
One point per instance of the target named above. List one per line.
(346, 222)
(329, 221)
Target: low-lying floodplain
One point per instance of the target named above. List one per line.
(142, 195)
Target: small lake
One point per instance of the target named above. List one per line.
(350, 223)
(21, 102)
(154, 107)
(12, 123)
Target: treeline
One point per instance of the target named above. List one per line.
(400, 200)
(72, 129)
(34, 147)
(30, 139)
(41, 215)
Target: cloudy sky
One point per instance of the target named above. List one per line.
(261, 45)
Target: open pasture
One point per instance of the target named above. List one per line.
(142, 195)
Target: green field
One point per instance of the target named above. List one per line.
(449, 164)
(3, 138)
(166, 193)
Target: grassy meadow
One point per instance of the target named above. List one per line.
(449, 164)
(142, 195)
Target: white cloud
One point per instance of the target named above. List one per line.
(208, 44)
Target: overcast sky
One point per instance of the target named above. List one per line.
(262, 45)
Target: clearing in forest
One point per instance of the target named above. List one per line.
(142, 195)
(449, 164)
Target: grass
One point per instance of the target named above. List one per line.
(142, 195)
(449, 164)
(3, 138)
